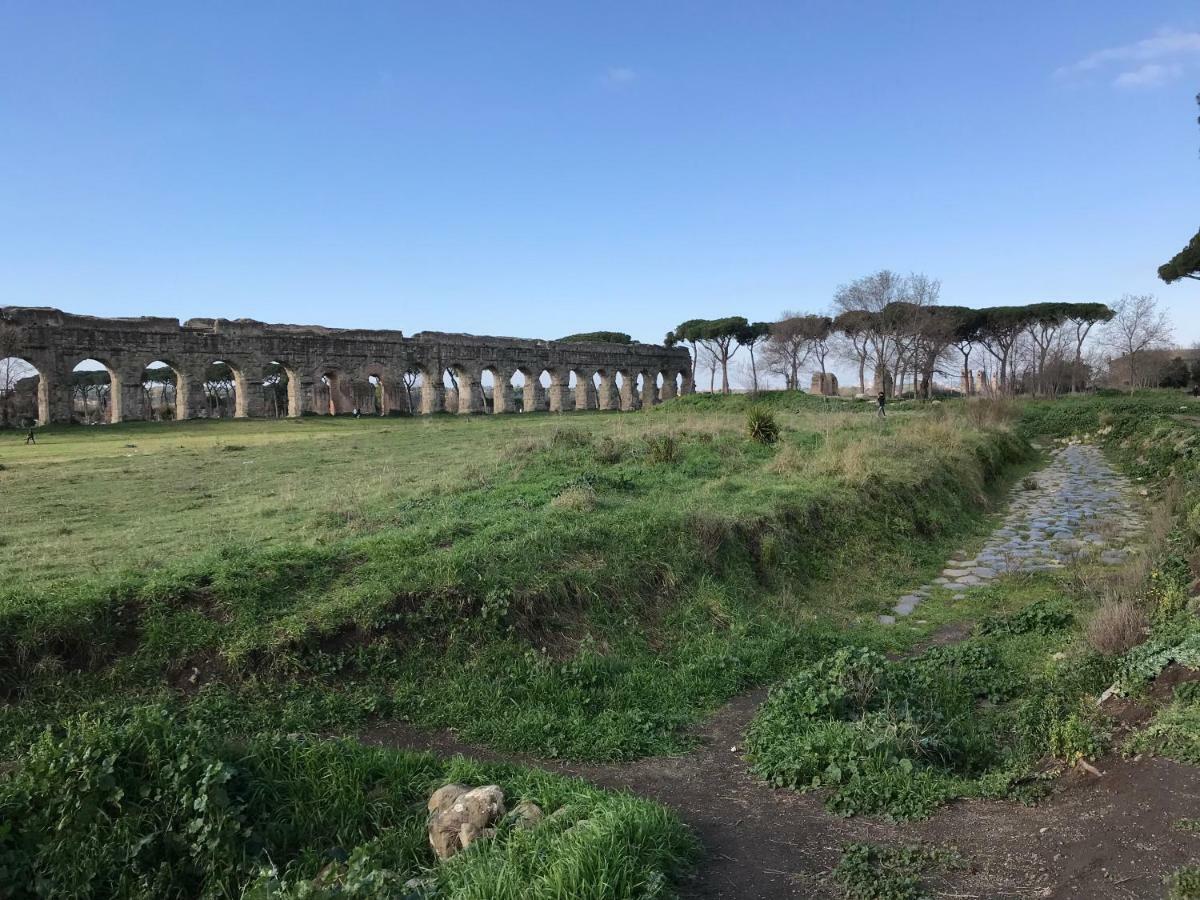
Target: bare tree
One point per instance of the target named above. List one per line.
(794, 338)
(873, 294)
(1137, 326)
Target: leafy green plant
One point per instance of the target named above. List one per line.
(761, 425)
(1042, 617)
(881, 736)
(1175, 729)
(662, 448)
(872, 872)
(1184, 884)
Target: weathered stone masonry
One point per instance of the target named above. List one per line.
(326, 362)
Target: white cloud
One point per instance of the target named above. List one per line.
(619, 76)
(1146, 63)
(1149, 75)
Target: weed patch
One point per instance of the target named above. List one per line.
(871, 872)
(149, 806)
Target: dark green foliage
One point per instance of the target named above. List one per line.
(663, 448)
(872, 872)
(1184, 884)
(1175, 374)
(957, 721)
(148, 806)
(883, 737)
(761, 425)
(1042, 617)
(1184, 264)
(599, 337)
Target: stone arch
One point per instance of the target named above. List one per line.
(463, 381)
(627, 388)
(585, 389)
(24, 392)
(490, 388)
(96, 391)
(225, 388)
(164, 393)
(669, 385)
(533, 393)
(607, 389)
(647, 389)
(332, 391)
(555, 380)
(281, 389)
(382, 396)
(416, 387)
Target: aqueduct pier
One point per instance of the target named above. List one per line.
(324, 364)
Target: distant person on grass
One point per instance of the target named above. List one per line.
(356, 412)
(31, 438)
(882, 400)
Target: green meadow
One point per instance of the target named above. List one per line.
(585, 585)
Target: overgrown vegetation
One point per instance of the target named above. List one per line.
(587, 589)
(964, 720)
(870, 872)
(145, 806)
(976, 719)
(581, 586)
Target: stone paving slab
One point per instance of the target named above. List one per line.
(1081, 508)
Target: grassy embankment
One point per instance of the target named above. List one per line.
(982, 717)
(582, 585)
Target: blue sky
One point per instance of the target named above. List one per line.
(542, 168)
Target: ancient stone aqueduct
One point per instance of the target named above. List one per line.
(323, 365)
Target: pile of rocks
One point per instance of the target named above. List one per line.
(1076, 507)
(460, 815)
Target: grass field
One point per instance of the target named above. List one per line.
(579, 585)
(584, 585)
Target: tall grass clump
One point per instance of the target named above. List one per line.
(761, 425)
(1116, 627)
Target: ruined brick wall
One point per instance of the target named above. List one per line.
(327, 368)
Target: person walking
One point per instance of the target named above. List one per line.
(31, 438)
(882, 401)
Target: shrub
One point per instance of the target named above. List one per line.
(1116, 627)
(571, 438)
(580, 498)
(761, 425)
(867, 872)
(1175, 729)
(663, 448)
(984, 412)
(885, 737)
(609, 450)
(1040, 617)
(1184, 884)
